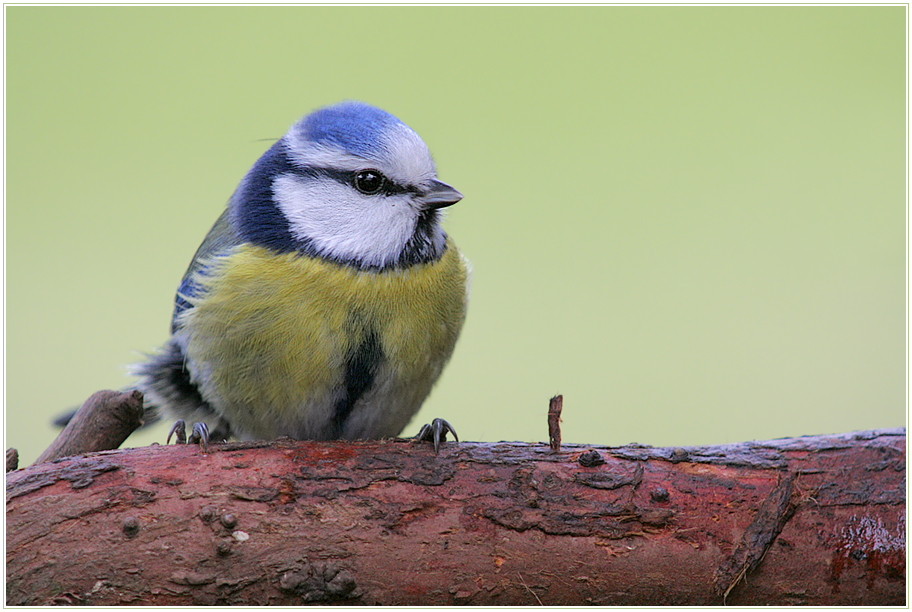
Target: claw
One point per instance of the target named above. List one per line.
(180, 430)
(436, 432)
(200, 435)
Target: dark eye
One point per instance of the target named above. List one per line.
(369, 182)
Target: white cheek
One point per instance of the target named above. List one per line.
(342, 223)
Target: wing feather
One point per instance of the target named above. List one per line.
(220, 240)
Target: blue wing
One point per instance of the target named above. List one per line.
(164, 377)
(219, 241)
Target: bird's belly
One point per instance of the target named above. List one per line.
(271, 340)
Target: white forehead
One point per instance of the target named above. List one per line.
(366, 138)
(408, 154)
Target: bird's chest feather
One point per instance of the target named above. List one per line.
(276, 325)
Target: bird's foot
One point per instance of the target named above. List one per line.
(436, 432)
(199, 434)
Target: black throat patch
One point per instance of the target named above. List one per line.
(361, 367)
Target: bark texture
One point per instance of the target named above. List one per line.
(813, 521)
(103, 422)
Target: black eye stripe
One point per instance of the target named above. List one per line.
(347, 177)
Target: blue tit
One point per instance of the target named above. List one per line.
(327, 298)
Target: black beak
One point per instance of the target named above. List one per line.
(440, 195)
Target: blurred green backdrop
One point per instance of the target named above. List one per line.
(688, 220)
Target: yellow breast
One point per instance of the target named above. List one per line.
(271, 332)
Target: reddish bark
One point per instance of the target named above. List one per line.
(816, 521)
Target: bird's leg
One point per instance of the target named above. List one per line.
(436, 432)
(179, 429)
(199, 434)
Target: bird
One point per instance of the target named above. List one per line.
(326, 299)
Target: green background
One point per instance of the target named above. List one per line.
(688, 220)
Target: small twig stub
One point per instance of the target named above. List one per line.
(12, 459)
(771, 517)
(554, 420)
(105, 420)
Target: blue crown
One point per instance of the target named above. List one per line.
(354, 127)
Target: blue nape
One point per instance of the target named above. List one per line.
(254, 212)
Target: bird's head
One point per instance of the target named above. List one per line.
(349, 183)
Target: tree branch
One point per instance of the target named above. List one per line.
(103, 422)
(813, 521)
